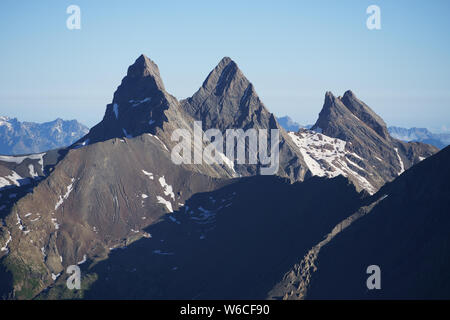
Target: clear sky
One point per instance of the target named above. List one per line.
(292, 51)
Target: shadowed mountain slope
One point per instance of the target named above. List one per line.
(403, 230)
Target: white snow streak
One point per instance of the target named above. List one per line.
(402, 167)
(61, 199)
(148, 174)
(165, 202)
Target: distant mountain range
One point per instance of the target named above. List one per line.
(222, 230)
(289, 124)
(440, 140)
(28, 137)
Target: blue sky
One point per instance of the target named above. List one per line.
(292, 51)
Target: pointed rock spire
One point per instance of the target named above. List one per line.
(145, 67)
(138, 105)
(345, 112)
(227, 99)
(222, 77)
(142, 81)
(365, 114)
(332, 116)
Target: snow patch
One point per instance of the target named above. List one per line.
(5, 247)
(328, 157)
(156, 137)
(135, 103)
(55, 276)
(402, 166)
(19, 222)
(66, 195)
(165, 202)
(12, 179)
(148, 174)
(19, 160)
(83, 261)
(55, 223)
(33, 173)
(168, 191)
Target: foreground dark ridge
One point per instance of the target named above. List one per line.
(405, 232)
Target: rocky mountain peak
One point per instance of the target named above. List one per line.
(348, 111)
(143, 80)
(138, 106)
(332, 113)
(329, 98)
(349, 94)
(223, 77)
(379, 156)
(144, 67)
(365, 114)
(227, 100)
(225, 62)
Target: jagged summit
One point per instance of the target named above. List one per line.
(347, 112)
(349, 93)
(329, 96)
(226, 60)
(138, 104)
(349, 107)
(379, 156)
(141, 105)
(145, 67)
(223, 63)
(331, 116)
(363, 112)
(223, 76)
(143, 80)
(228, 100)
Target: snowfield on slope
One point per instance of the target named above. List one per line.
(328, 157)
